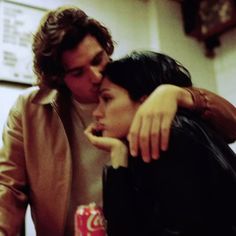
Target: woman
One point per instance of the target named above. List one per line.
(191, 189)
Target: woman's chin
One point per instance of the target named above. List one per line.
(110, 134)
(106, 133)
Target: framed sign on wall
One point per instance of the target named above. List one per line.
(18, 23)
(207, 20)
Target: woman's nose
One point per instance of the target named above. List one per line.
(97, 113)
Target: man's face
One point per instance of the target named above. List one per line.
(83, 67)
(115, 110)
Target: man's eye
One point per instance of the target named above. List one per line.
(97, 60)
(77, 73)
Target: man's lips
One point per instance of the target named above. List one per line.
(95, 89)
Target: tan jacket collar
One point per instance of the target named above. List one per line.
(45, 96)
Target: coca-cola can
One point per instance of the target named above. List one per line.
(89, 221)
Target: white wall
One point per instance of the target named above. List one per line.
(225, 69)
(217, 74)
(173, 41)
(225, 66)
(127, 19)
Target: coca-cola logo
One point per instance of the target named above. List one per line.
(95, 222)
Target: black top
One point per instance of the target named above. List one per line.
(189, 191)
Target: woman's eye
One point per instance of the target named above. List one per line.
(106, 99)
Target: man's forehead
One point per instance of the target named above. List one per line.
(80, 65)
(83, 52)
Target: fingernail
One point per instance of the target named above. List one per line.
(133, 153)
(155, 157)
(164, 148)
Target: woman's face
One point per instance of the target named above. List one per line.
(115, 110)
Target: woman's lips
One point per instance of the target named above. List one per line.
(98, 129)
(99, 126)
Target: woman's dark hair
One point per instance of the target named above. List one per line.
(60, 30)
(141, 72)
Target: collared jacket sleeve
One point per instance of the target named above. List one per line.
(216, 111)
(35, 163)
(13, 187)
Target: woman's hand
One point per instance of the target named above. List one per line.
(118, 150)
(150, 129)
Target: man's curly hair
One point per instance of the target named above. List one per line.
(60, 30)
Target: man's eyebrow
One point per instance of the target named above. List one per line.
(102, 90)
(75, 69)
(99, 55)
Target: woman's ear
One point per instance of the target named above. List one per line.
(143, 98)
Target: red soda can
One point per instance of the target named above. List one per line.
(89, 221)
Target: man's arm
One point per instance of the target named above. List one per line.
(13, 198)
(217, 111)
(150, 128)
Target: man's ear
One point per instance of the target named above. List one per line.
(143, 98)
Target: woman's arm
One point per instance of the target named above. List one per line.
(150, 128)
(196, 180)
(191, 190)
(116, 148)
(118, 202)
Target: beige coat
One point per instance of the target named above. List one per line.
(39, 174)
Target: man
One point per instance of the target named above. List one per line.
(45, 160)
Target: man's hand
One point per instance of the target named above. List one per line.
(150, 129)
(117, 149)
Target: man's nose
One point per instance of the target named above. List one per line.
(95, 74)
